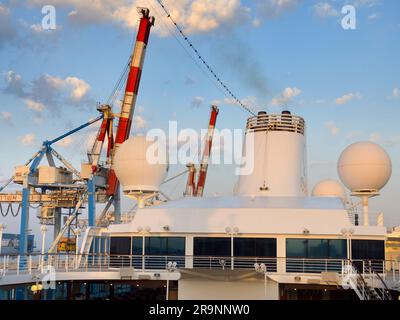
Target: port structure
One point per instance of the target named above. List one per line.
(54, 188)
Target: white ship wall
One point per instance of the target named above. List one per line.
(203, 289)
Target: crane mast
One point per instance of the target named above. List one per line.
(198, 191)
(131, 91)
(190, 185)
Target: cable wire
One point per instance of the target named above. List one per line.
(203, 61)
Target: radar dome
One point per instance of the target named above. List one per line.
(132, 168)
(330, 188)
(364, 166)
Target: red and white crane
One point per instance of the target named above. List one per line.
(207, 151)
(193, 189)
(131, 91)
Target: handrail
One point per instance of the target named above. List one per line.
(386, 290)
(276, 122)
(64, 262)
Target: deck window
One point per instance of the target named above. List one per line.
(161, 250)
(216, 252)
(126, 245)
(368, 249)
(254, 247)
(316, 248)
(220, 247)
(166, 246)
(315, 255)
(120, 245)
(372, 252)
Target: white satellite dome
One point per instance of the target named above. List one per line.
(330, 188)
(364, 166)
(135, 172)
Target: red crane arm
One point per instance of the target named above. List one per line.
(131, 91)
(206, 155)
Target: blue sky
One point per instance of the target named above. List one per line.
(345, 83)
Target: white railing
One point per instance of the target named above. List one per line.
(29, 264)
(276, 122)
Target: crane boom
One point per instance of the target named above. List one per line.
(190, 184)
(131, 91)
(206, 155)
(105, 128)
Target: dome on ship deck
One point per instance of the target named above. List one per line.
(140, 165)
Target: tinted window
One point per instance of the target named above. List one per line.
(368, 249)
(296, 248)
(212, 247)
(137, 246)
(176, 246)
(337, 249)
(168, 246)
(120, 245)
(254, 247)
(316, 248)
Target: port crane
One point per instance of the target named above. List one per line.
(194, 188)
(55, 188)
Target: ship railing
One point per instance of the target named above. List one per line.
(276, 122)
(34, 263)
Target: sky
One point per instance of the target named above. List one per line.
(273, 54)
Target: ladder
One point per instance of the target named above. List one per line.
(358, 282)
(87, 241)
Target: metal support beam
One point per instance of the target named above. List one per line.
(91, 186)
(50, 158)
(67, 224)
(117, 205)
(57, 222)
(23, 229)
(69, 166)
(73, 131)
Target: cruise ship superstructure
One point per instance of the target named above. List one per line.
(269, 240)
(273, 238)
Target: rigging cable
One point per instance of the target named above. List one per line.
(197, 53)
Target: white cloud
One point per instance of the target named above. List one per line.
(393, 141)
(139, 123)
(396, 92)
(334, 130)
(66, 142)
(37, 28)
(35, 106)
(347, 98)
(197, 101)
(324, 9)
(194, 16)
(366, 3)
(48, 92)
(76, 88)
(28, 139)
(373, 16)
(6, 116)
(375, 137)
(249, 101)
(256, 22)
(79, 87)
(4, 10)
(275, 8)
(8, 33)
(285, 97)
(352, 135)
